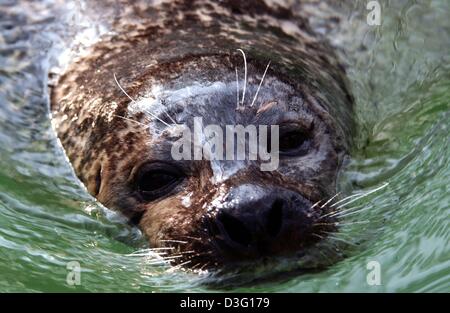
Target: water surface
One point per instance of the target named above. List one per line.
(400, 74)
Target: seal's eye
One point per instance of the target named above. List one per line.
(294, 142)
(155, 180)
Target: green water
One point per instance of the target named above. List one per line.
(401, 81)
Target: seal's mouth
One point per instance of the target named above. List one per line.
(264, 226)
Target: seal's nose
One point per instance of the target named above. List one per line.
(267, 222)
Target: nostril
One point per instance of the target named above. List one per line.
(275, 218)
(235, 229)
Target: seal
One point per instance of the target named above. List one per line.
(118, 110)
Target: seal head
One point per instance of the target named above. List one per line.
(120, 110)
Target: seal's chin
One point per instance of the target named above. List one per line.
(309, 260)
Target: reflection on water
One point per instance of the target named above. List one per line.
(400, 76)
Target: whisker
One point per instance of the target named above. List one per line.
(346, 198)
(155, 249)
(338, 212)
(168, 259)
(352, 223)
(170, 117)
(123, 90)
(156, 254)
(175, 256)
(364, 195)
(161, 248)
(159, 252)
(260, 83)
(331, 199)
(317, 235)
(358, 196)
(204, 265)
(237, 89)
(195, 266)
(187, 252)
(341, 240)
(193, 238)
(342, 224)
(326, 224)
(201, 254)
(353, 212)
(245, 75)
(330, 214)
(176, 241)
(327, 233)
(315, 204)
(158, 262)
(177, 266)
(130, 120)
(146, 110)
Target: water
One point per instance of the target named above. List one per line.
(401, 81)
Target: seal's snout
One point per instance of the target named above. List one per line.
(267, 222)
